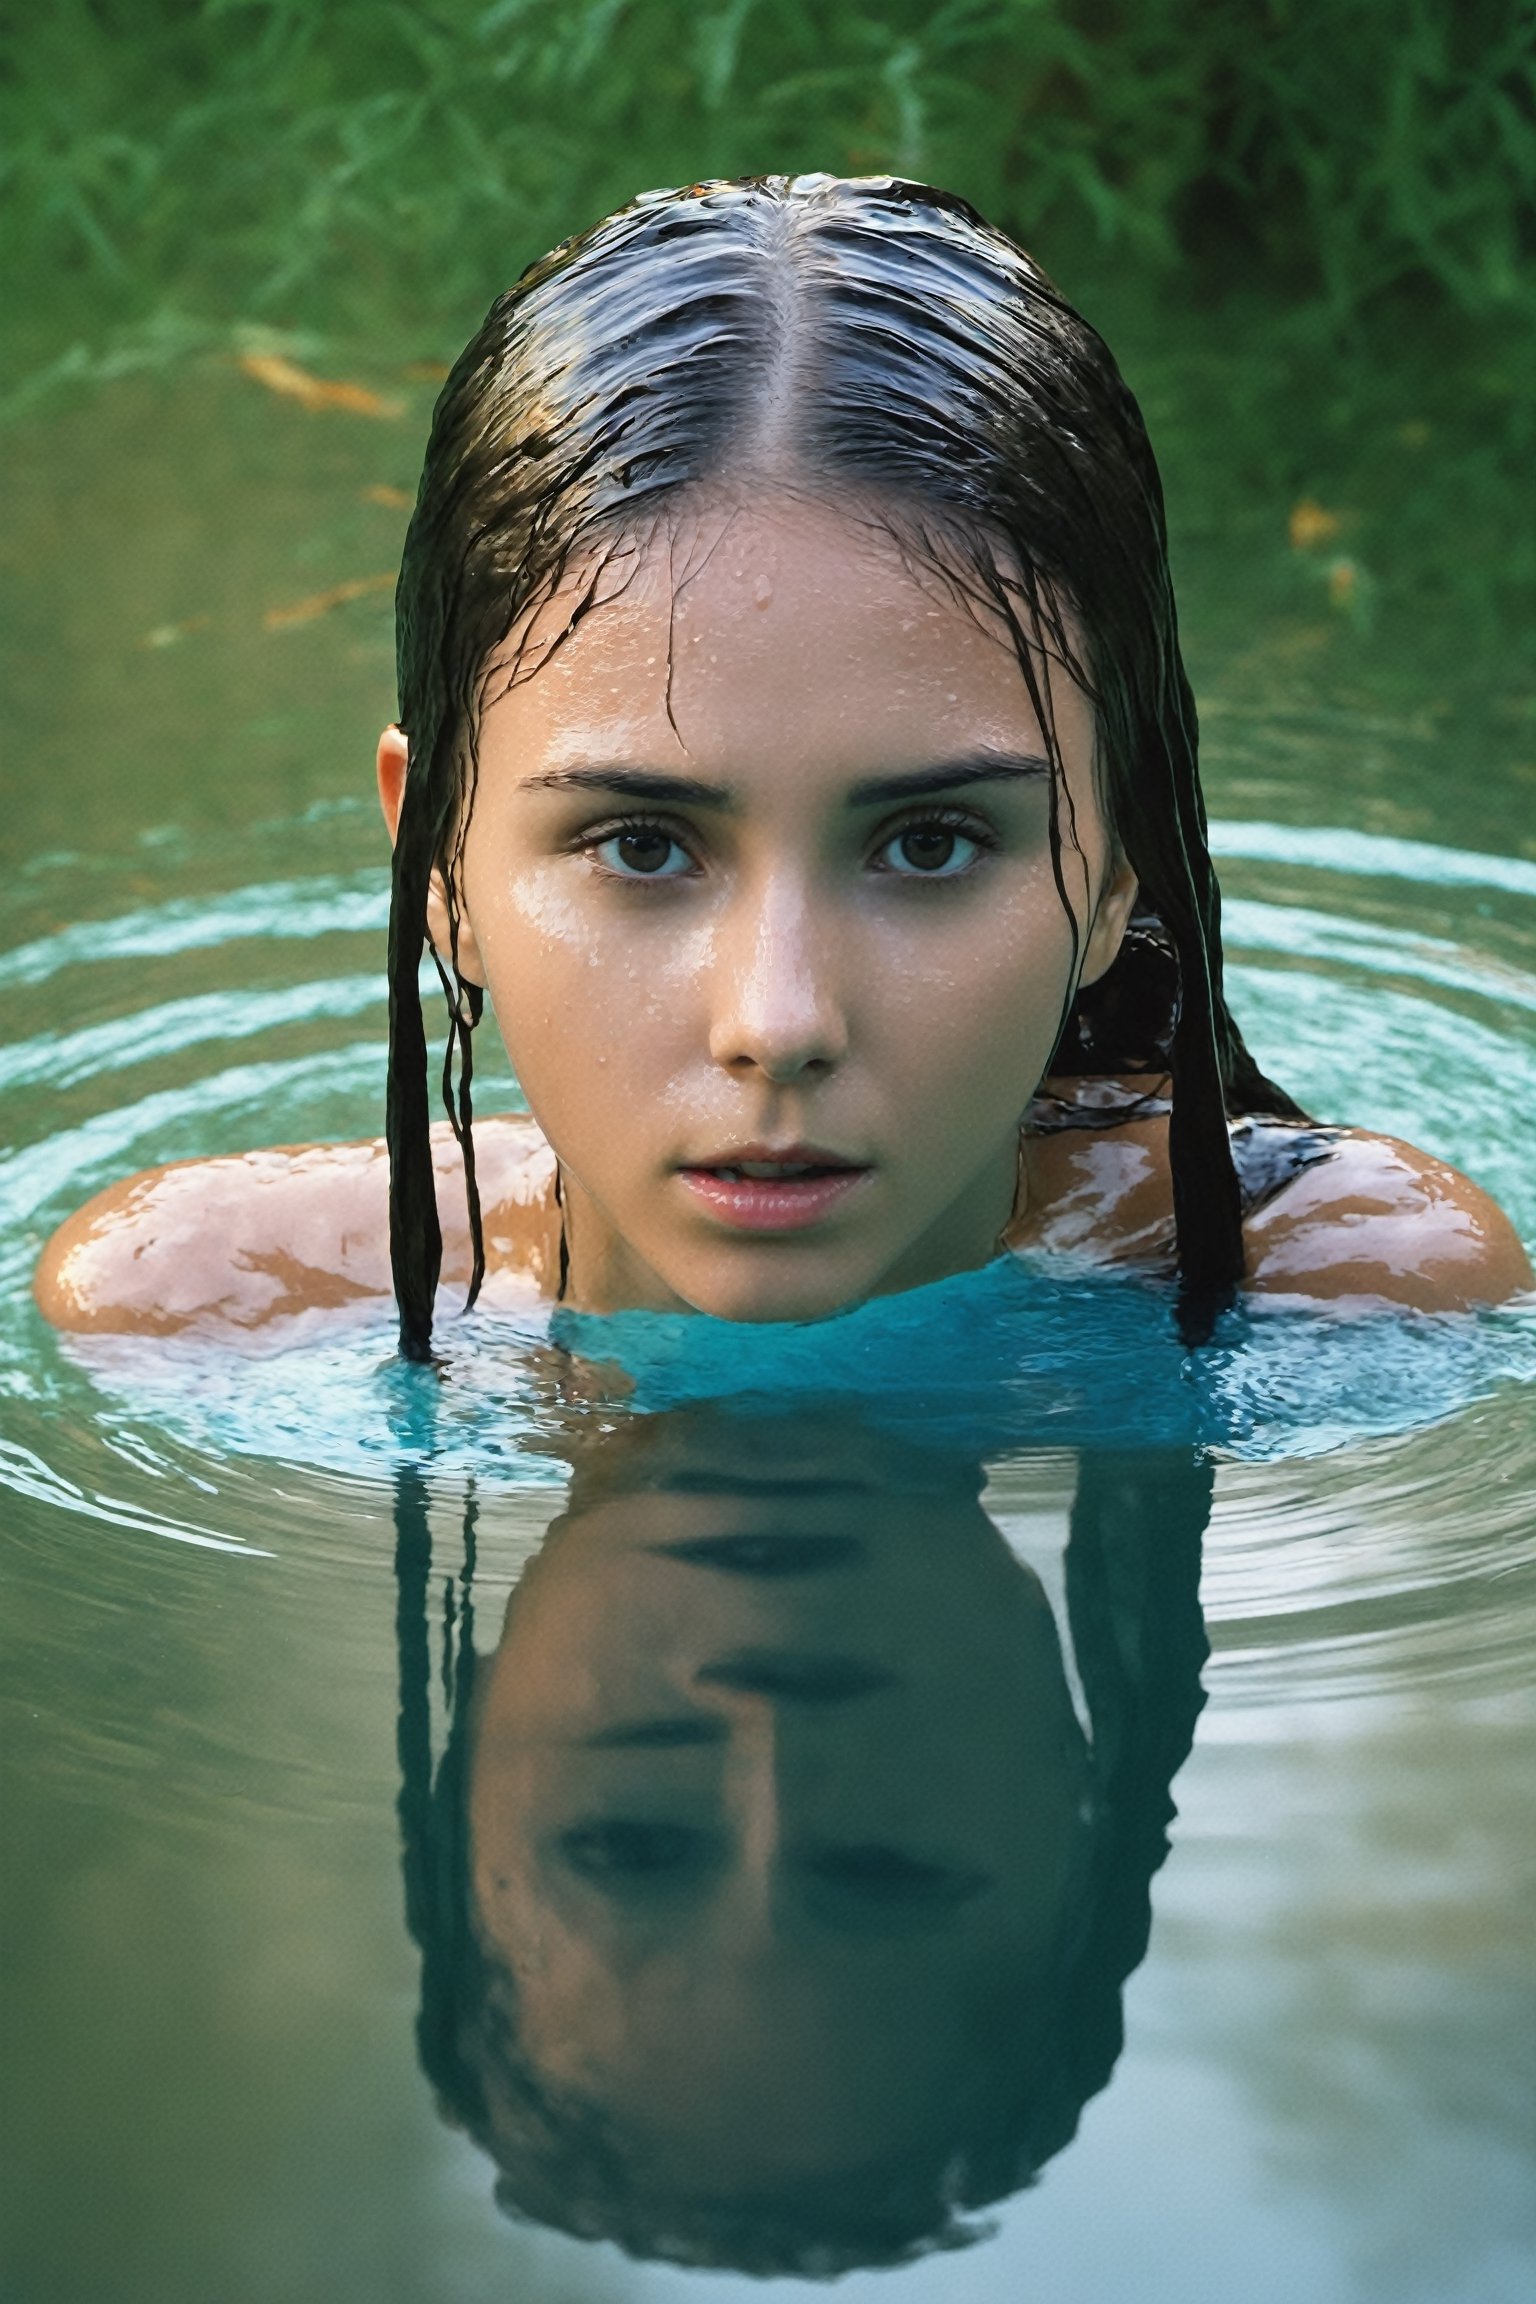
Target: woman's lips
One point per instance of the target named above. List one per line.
(773, 1195)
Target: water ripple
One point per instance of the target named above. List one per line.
(324, 906)
(26, 1474)
(1375, 1525)
(60, 1059)
(1371, 855)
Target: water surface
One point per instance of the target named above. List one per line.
(218, 1595)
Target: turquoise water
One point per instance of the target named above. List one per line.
(217, 1595)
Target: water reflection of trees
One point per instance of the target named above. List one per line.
(774, 1889)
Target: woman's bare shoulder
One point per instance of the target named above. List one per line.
(1358, 1217)
(1379, 1219)
(256, 1237)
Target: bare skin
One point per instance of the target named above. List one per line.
(247, 1242)
(759, 867)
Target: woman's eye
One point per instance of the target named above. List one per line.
(881, 1875)
(633, 1848)
(643, 852)
(930, 851)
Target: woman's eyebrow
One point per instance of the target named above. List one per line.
(658, 785)
(635, 784)
(664, 1735)
(984, 767)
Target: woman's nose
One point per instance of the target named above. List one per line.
(777, 998)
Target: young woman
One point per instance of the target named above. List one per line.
(794, 747)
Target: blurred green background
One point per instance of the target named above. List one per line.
(1300, 223)
(182, 163)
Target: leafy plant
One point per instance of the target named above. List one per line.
(325, 163)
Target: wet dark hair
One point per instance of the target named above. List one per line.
(1132, 1577)
(898, 350)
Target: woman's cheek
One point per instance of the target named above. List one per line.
(598, 1039)
(983, 1014)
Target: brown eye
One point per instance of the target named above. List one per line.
(928, 848)
(634, 1848)
(930, 851)
(644, 852)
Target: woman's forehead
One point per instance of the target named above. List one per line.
(775, 624)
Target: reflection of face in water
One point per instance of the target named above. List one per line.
(776, 1904)
(777, 1798)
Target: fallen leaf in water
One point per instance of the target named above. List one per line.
(1310, 525)
(380, 492)
(321, 603)
(167, 635)
(314, 392)
(425, 371)
(1343, 579)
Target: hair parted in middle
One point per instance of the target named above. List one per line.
(874, 340)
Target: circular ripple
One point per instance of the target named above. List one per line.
(1387, 983)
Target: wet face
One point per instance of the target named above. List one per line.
(775, 1803)
(759, 880)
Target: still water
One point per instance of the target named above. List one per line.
(714, 1789)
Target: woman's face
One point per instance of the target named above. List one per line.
(776, 1800)
(758, 879)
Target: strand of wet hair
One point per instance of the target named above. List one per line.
(431, 1806)
(415, 1230)
(563, 1275)
(465, 1003)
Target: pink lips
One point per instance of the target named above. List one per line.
(802, 1185)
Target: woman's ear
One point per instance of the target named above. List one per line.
(1117, 901)
(393, 761)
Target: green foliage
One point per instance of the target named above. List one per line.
(331, 163)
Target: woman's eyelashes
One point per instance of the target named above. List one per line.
(624, 1855)
(640, 848)
(943, 844)
(609, 1850)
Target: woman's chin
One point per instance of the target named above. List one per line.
(757, 1282)
(762, 1298)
